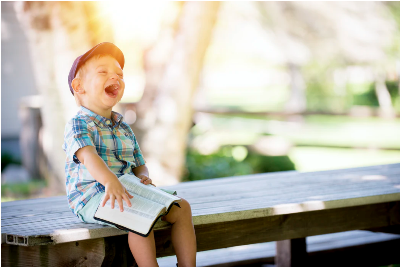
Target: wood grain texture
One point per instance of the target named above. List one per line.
(219, 201)
(226, 212)
(82, 253)
(282, 227)
(262, 253)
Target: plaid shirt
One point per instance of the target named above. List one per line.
(116, 145)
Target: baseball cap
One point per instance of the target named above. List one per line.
(102, 48)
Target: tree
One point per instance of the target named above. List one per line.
(333, 33)
(58, 32)
(165, 111)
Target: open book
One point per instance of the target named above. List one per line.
(149, 203)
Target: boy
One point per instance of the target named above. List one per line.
(100, 147)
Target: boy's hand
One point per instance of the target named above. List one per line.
(115, 190)
(144, 179)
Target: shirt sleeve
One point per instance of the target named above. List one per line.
(137, 154)
(76, 136)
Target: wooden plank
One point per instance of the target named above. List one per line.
(292, 196)
(262, 253)
(291, 252)
(268, 191)
(245, 197)
(280, 195)
(231, 216)
(192, 187)
(360, 217)
(43, 200)
(271, 202)
(293, 175)
(281, 227)
(82, 253)
(245, 187)
(62, 236)
(270, 186)
(110, 251)
(248, 198)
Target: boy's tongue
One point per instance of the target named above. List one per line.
(110, 90)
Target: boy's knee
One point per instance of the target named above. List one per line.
(185, 205)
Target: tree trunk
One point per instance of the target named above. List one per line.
(165, 111)
(297, 100)
(155, 59)
(58, 32)
(386, 109)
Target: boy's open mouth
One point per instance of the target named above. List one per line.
(112, 90)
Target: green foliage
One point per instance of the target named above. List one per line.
(393, 88)
(221, 164)
(7, 158)
(320, 87)
(369, 97)
(15, 191)
(394, 8)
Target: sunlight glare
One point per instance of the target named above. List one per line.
(373, 177)
(134, 19)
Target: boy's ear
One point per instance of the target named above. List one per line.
(77, 86)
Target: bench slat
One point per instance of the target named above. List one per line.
(292, 175)
(215, 201)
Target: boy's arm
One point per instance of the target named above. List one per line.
(143, 174)
(99, 170)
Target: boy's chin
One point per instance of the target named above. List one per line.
(111, 102)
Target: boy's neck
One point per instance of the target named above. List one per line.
(104, 113)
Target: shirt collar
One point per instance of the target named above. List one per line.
(101, 120)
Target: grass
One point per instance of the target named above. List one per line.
(314, 140)
(20, 191)
(315, 130)
(308, 159)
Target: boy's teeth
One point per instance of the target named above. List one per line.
(112, 89)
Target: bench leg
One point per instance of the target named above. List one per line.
(291, 252)
(117, 252)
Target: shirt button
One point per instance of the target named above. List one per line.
(108, 122)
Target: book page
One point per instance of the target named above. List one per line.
(140, 206)
(129, 220)
(133, 185)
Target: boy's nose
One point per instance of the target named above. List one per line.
(114, 76)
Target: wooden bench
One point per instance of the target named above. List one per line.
(350, 248)
(285, 207)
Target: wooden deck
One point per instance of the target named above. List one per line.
(233, 211)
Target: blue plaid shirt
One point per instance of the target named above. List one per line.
(114, 142)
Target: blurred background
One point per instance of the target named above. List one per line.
(213, 89)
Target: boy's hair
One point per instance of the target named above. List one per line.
(80, 73)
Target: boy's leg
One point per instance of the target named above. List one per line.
(183, 234)
(143, 249)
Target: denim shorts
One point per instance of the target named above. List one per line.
(86, 214)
